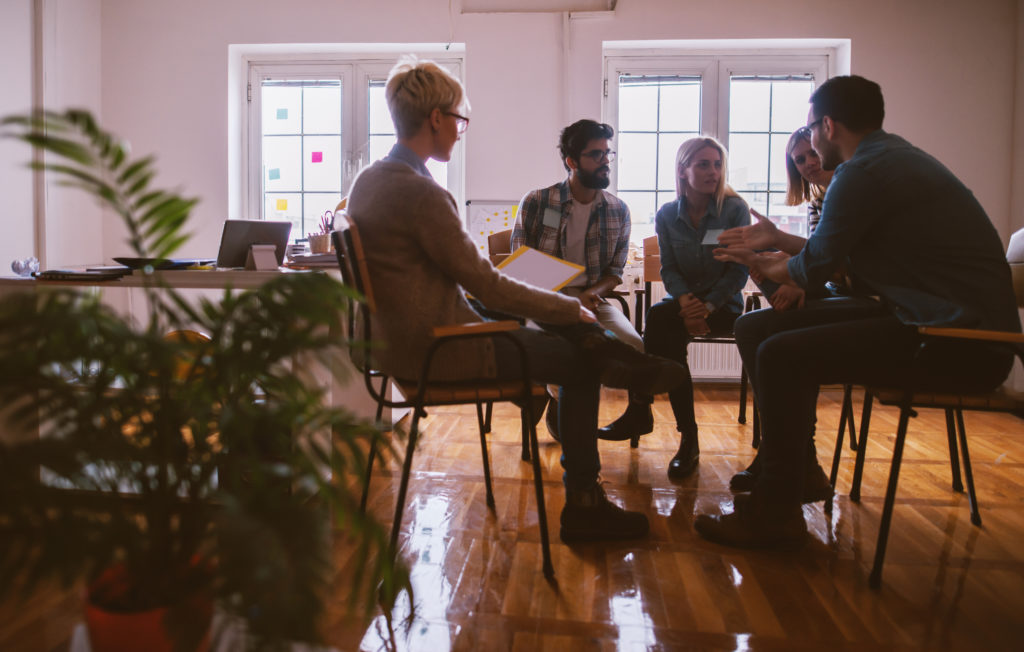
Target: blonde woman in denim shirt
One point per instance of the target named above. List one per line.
(703, 294)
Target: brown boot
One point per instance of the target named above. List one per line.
(590, 516)
(816, 484)
(754, 524)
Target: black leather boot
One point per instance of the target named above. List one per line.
(635, 421)
(686, 460)
(590, 516)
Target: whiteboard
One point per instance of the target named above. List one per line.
(486, 217)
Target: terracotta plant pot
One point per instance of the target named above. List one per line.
(125, 631)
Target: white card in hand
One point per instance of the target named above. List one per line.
(711, 237)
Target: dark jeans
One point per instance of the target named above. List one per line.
(553, 357)
(846, 340)
(666, 336)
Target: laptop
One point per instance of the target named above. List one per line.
(239, 235)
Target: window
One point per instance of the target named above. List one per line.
(750, 103)
(311, 126)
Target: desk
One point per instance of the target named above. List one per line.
(349, 392)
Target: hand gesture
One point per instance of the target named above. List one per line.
(590, 299)
(787, 297)
(763, 234)
(691, 307)
(586, 316)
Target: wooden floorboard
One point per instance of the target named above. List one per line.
(947, 584)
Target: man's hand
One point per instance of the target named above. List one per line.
(691, 307)
(765, 266)
(696, 326)
(590, 299)
(787, 297)
(763, 234)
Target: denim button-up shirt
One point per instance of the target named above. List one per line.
(689, 266)
(914, 235)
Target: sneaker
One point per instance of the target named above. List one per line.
(751, 525)
(590, 516)
(551, 420)
(638, 419)
(686, 459)
(816, 484)
(621, 366)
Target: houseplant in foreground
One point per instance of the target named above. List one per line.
(171, 471)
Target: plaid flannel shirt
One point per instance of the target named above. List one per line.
(607, 239)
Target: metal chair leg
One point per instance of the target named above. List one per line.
(846, 415)
(743, 395)
(525, 452)
(481, 421)
(487, 415)
(370, 457)
(858, 469)
(403, 486)
(875, 580)
(538, 484)
(954, 455)
(971, 496)
(834, 473)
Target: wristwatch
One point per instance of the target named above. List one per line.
(710, 307)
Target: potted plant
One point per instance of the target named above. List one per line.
(173, 472)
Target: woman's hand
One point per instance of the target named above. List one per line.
(696, 326)
(586, 316)
(763, 234)
(787, 297)
(691, 306)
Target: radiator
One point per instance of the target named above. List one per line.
(708, 362)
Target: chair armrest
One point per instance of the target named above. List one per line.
(475, 328)
(972, 334)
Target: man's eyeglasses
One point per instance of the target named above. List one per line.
(461, 121)
(596, 155)
(812, 125)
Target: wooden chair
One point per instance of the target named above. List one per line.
(652, 273)
(424, 393)
(1002, 399)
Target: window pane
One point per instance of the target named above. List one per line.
(777, 165)
(789, 104)
(748, 161)
(748, 105)
(284, 206)
(321, 106)
(641, 209)
(380, 118)
(321, 161)
(314, 206)
(756, 200)
(380, 146)
(439, 171)
(282, 163)
(680, 106)
(637, 161)
(281, 108)
(667, 148)
(638, 105)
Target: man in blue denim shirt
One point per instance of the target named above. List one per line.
(918, 249)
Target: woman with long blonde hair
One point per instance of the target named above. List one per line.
(703, 295)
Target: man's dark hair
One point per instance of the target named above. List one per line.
(576, 136)
(854, 101)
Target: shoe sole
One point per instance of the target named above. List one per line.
(606, 436)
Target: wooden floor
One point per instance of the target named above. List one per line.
(478, 580)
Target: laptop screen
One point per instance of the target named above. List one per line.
(239, 235)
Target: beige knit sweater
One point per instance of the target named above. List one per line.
(420, 258)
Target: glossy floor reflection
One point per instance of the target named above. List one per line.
(947, 584)
(479, 585)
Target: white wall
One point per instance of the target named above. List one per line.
(16, 222)
(947, 69)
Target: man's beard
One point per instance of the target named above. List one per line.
(830, 157)
(592, 180)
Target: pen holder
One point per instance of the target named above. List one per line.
(319, 243)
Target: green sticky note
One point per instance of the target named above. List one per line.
(282, 114)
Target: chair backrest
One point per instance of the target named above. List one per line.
(351, 258)
(499, 246)
(652, 260)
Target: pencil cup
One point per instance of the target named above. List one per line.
(319, 243)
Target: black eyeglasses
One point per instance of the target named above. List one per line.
(461, 121)
(596, 155)
(812, 125)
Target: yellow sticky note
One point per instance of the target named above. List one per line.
(282, 204)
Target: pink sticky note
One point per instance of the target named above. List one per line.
(318, 157)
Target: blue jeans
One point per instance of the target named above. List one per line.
(553, 358)
(845, 340)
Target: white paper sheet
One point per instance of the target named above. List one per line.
(711, 237)
(540, 269)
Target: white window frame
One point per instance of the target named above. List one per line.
(715, 65)
(356, 71)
